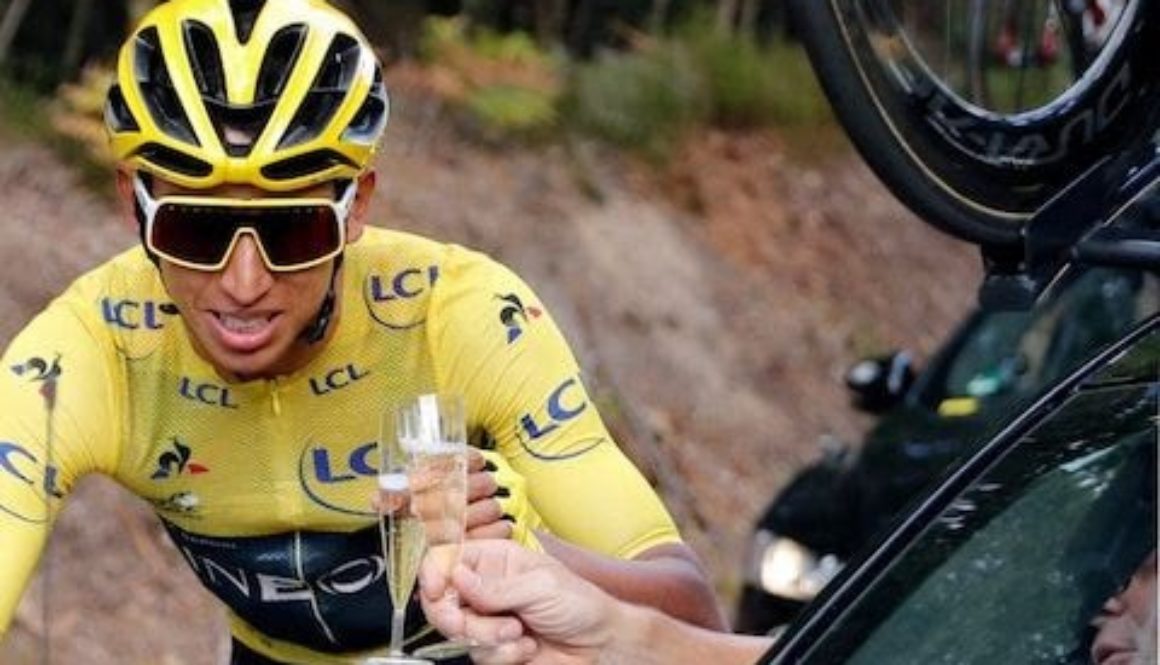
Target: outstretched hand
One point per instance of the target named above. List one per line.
(563, 619)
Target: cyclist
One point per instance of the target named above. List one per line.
(231, 369)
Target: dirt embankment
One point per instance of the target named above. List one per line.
(714, 307)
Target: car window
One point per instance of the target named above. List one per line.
(1004, 358)
(1016, 568)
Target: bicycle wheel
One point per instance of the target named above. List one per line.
(975, 112)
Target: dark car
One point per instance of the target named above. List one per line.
(1022, 553)
(991, 368)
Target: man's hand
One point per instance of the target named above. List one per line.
(563, 619)
(484, 511)
(497, 501)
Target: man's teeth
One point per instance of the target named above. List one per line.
(242, 325)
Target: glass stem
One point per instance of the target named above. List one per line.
(398, 625)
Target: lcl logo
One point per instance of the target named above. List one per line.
(566, 403)
(337, 379)
(559, 408)
(328, 471)
(19, 466)
(404, 285)
(134, 315)
(206, 393)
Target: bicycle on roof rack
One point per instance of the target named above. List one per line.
(977, 113)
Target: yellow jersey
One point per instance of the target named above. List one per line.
(265, 486)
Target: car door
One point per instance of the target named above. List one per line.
(1010, 558)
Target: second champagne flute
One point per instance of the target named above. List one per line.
(433, 432)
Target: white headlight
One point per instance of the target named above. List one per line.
(786, 568)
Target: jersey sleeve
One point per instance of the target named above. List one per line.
(495, 342)
(56, 423)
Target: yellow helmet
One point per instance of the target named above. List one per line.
(280, 94)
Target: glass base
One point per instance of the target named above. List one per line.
(396, 660)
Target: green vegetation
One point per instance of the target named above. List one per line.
(649, 97)
(23, 112)
(645, 98)
(508, 86)
(70, 123)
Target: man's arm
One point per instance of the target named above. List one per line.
(647, 636)
(668, 577)
(55, 397)
(494, 341)
(517, 606)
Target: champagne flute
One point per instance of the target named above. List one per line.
(433, 430)
(401, 533)
(423, 502)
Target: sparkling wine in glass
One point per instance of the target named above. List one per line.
(402, 533)
(432, 431)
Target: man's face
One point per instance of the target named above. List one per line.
(1126, 626)
(246, 320)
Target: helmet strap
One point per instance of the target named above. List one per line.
(314, 332)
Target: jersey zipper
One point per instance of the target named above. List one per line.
(275, 400)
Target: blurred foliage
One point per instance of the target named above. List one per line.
(644, 99)
(639, 91)
(55, 38)
(76, 113)
(648, 96)
(22, 110)
(508, 84)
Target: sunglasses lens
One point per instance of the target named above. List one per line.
(291, 236)
(298, 234)
(195, 234)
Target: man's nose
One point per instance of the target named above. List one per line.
(245, 277)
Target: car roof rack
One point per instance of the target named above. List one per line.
(1076, 228)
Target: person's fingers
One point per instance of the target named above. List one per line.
(508, 653)
(501, 530)
(495, 590)
(480, 485)
(444, 613)
(489, 630)
(481, 513)
(432, 579)
(494, 557)
(475, 460)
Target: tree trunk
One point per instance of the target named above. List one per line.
(659, 16)
(726, 14)
(550, 21)
(747, 22)
(75, 44)
(11, 23)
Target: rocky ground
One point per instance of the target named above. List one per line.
(715, 302)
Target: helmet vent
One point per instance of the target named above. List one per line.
(118, 117)
(306, 164)
(205, 58)
(157, 88)
(239, 127)
(326, 93)
(279, 61)
(245, 14)
(372, 116)
(173, 160)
